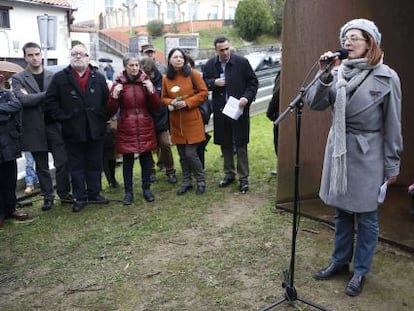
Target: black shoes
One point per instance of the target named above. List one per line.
(200, 189)
(47, 205)
(330, 271)
(225, 182)
(172, 179)
(128, 198)
(98, 200)
(244, 186)
(184, 189)
(354, 287)
(78, 206)
(148, 196)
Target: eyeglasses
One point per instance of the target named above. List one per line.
(352, 39)
(81, 54)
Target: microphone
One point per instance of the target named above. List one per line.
(341, 54)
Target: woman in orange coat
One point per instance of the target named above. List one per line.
(183, 90)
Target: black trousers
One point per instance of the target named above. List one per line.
(85, 168)
(145, 160)
(8, 179)
(57, 149)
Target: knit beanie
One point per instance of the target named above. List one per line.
(362, 24)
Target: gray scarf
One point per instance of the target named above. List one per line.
(351, 73)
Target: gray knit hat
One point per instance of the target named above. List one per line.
(362, 24)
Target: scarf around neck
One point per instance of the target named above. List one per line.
(351, 73)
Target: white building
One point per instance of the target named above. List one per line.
(116, 13)
(19, 24)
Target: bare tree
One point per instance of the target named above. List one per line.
(158, 5)
(179, 4)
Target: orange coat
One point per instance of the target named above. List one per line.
(186, 125)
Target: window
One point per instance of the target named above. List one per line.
(150, 9)
(231, 11)
(171, 10)
(213, 12)
(4, 17)
(192, 11)
(109, 3)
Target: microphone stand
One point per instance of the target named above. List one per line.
(290, 292)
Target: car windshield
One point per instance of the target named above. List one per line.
(254, 60)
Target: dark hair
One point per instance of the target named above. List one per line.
(171, 71)
(29, 45)
(220, 39)
(190, 61)
(147, 64)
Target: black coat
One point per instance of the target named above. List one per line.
(83, 114)
(34, 134)
(241, 81)
(160, 117)
(9, 127)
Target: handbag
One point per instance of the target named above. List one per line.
(206, 108)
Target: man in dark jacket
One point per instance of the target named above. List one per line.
(228, 74)
(9, 151)
(40, 137)
(77, 98)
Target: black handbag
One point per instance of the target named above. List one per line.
(206, 108)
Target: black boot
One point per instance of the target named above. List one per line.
(47, 204)
(128, 198)
(148, 196)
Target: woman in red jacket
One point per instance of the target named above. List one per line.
(186, 122)
(133, 94)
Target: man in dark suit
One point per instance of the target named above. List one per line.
(77, 98)
(228, 74)
(38, 136)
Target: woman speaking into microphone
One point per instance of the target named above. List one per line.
(363, 146)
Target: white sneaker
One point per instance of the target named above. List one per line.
(29, 189)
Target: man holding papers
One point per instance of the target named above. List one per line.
(234, 85)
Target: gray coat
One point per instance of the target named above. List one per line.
(373, 138)
(34, 136)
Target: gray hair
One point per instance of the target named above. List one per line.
(128, 56)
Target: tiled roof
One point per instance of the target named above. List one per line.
(61, 3)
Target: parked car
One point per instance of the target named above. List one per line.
(265, 65)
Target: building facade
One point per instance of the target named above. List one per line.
(19, 24)
(121, 13)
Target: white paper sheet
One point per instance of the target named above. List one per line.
(382, 193)
(232, 108)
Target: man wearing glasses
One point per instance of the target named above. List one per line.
(77, 98)
(228, 74)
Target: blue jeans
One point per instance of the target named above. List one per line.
(30, 177)
(366, 239)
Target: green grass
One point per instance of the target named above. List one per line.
(218, 251)
(207, 36)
